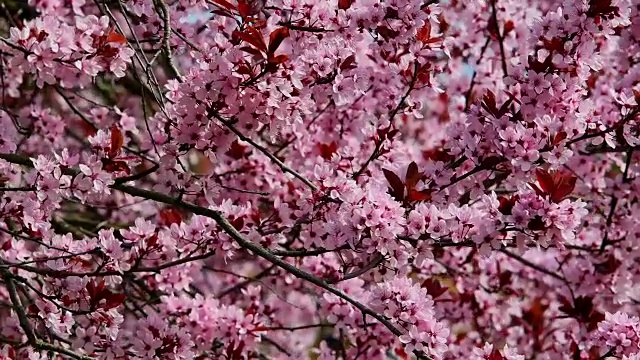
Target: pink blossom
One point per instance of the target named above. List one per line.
(298, 178)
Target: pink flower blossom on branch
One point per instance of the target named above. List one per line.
(304, 179)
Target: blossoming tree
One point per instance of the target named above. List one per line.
(319, 179)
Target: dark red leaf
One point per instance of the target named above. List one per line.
(438, 154)
(392, 133)
(116, 141)
(348, 63)
(505, 278)
(545, 180)
(244, 69)
(238, 223)
(170, 216)
(152, 240)
(396, 185)
(495, 355)
(244, 9)
(386, 32)
(248, 8)
(86, 128)
(422, 195)
(538, 191)
(491, 161)
(115, 37)
(112, 300)
(583, 305)
(327, 150)
(391, 13)
(237, 353)
(424, 74)
(555, 44)
(253, 37)
(565, 182)
(433, 287)
(594, 353)
(401, 353)
(575, 350)
(345, 4)
(506, 204)
(412, 176)
(95, 289)
(504, 108)
(508, 26)
(594, 319)
(559, 137)
(115, 166)
(489, 102)
(535, 317)
(236, 151)
(536, 224)
(583, 310)
(601, 8)
(540, 67)
(382, 132)
(276, 38)
(66, 300)
(566, 307)
(557, 184)
(257, 35)
(230, 348)
(424, 34)
(279, 59)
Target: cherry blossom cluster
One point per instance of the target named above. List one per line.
(305, 179)
(70, 53)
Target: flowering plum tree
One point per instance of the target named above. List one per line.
(320, 179)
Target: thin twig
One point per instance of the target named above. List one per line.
(532, 265)
(166, 38)
(264, 151)
(503, 57)
(377, 260)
